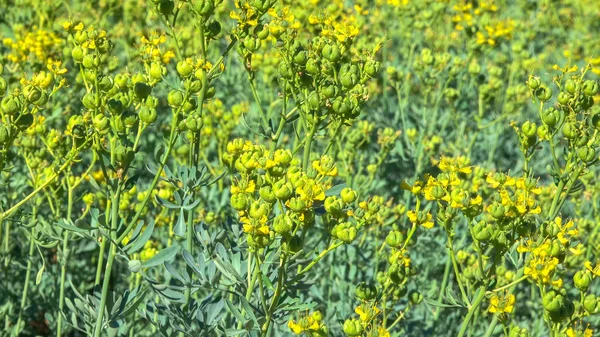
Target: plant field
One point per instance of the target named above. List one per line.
(365, 168)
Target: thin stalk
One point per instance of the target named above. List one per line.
(472, 309)
(307, 144)
(27, 275)
(63, 268)
(111, 258)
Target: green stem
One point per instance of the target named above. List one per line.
(111, 257)
(63, 268)
(456, 271)
(27, 278)
(307, 144)
(472, 309)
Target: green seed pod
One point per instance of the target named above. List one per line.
(529, 129)
(331, 52)
(582, 280)
(283, 224)
(89, 101)
(415, 297)
(3, 86)
(122, 80)
(571, 86)
(348, 195)
(81, 36)
(266, 194)
(148, 115)
(395, 239)
(142, 90)
(563, 98)
(175, 98)
(497, 210)
(283, 190)
(397, 273)
(591, 304)
(184, 68)
(333, 205)
(570, 130)
(239, 201)
(157, 71)
(130, 119)
(543, 93)
(586, 154)
(297, 205)
(353, 327)
(4, 134)
(516, 331)
(213, 28)
(251, 43)
(590, 88)
(101, 123)
(533, 83)
(193, 86)
(285, 70)
(314, 101)
(91, 61)
(124, 155)
(312, 66)
(166, 7)
(372, 68)
(204, 7)
(365, 291)
(24, 121)
(32, 93)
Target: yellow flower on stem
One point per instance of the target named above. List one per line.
(502, 304)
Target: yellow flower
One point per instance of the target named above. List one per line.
(367, 313)
(304, 324)
(502, 304)
(595, 270)
(423, 219)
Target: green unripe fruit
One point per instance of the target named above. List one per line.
(314, 101)
(24, 121)
(570, 130)
(312, 66)
(285, 70)
(193, 86)
(157, 71)
(175, 98)
(130, 119)
(91, 61)
(348, 195)
(297, 205)
(251, 44)
(533, 83)
(550, 117)
(148, 115)
(590, 88)
(395, 239)
(124, 155)
(543, 93)
(213, 28)
(142, 90)
(204, 7)
(194, 123)
(582, 280)
(333, 205)
(32, 93)
(372, 68)
(283, 224)
(518, 332)
(239, 201)
(397, 273)
(296, 243)
(101, 123)
(591, 304)
(184, 68)
(586, 154)
(166, 7)
(497, 210)
(331, 52)
(89, 101)
(365, 291)
(4, 134)
(563, 98)
(415, 297)
(77, 54)
(529, 129)
(283, 190)
(571, 86)
(10, 105)
(266, 194)
(353, 327)
(114, 106)
(3, 86)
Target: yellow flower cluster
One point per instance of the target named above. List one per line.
(311, 325)
(37, 45)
